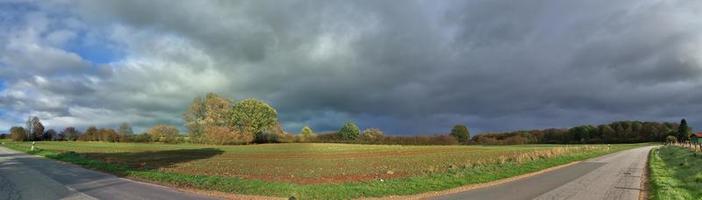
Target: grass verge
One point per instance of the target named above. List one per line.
(376, 188)
(676, 173)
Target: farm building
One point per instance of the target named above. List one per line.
(696, 137)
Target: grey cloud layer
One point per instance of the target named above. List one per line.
(414, 67)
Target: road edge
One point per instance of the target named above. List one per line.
(429, 195)
(464, 188)
(645, 179)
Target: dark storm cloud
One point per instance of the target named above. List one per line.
(410, 67)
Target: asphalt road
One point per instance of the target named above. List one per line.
(614, 176)
(24, 176)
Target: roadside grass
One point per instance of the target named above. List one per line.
(676, 173)
(450, 177)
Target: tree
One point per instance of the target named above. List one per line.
(252, 116)
(28, 128)
(70, 134)
(37, 129)
(18, 134)
(50, 135)
(349, 131)
(194, 118)
(125, 132)
(91, 134)
(163, 133)
(306, 133)
(372, 134)
(460, 132)
(607, 132)
(107, 135)
(206, 113)
(683, 131)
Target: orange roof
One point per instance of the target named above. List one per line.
(699, 135)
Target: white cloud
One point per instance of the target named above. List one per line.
(417, 67)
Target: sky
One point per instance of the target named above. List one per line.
(406, 67)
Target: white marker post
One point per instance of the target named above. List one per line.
(33, 143)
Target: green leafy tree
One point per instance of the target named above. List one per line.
(349, 131)
(607, 132)
(252, 116)
(460, 132)
(683, 131)
(18, 134)
(306, 133)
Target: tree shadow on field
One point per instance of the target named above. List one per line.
(147, 160)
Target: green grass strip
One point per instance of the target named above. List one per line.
(676, 173)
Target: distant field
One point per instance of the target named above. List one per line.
(676, 173)
(322, 171)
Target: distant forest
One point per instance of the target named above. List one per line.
(615, 132)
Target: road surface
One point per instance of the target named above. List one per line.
(614, 176)
(24, 176)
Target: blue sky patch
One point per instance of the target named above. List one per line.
(100, 53)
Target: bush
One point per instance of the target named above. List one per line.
(143, 138)
(417, 140)
(486, 140)
(671, 139)
(328, 137)
(274, 134)
(163, 133)
(266, 138)
(349, 131)
(225, 135)
(18, 134)
(391, 140)
(517, 139)
(372, 134)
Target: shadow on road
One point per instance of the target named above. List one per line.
(59, 180)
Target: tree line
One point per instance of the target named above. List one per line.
(615, 132)
(34, 131)
(213, 119)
